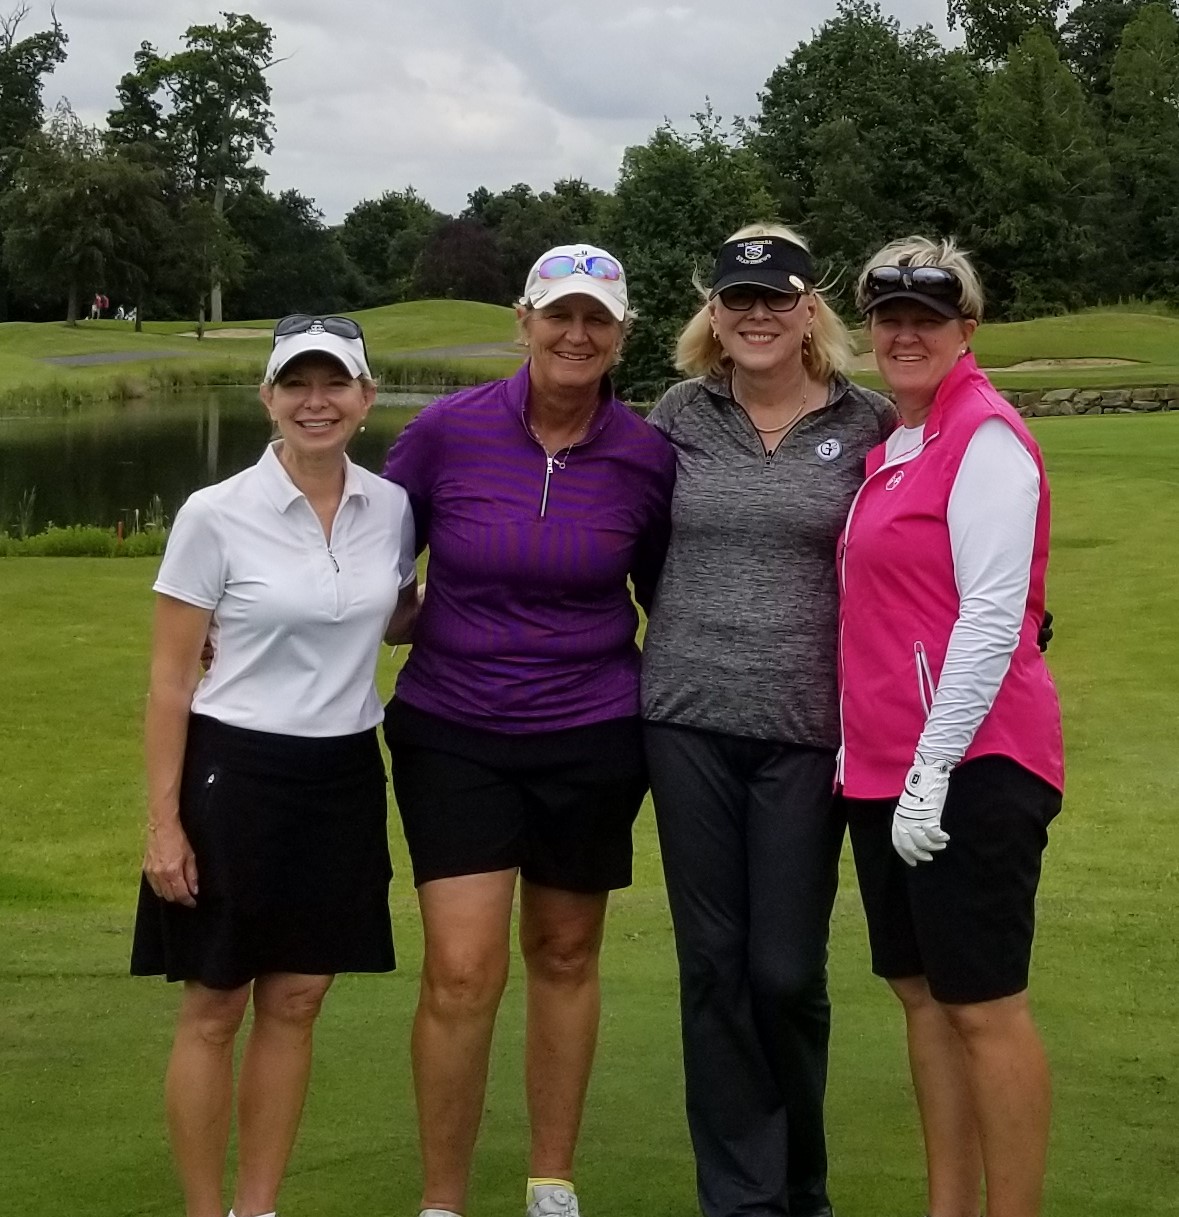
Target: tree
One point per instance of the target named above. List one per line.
(206, 111)
(1041, 184)
(73, 213)
(24, 62)
(867, 128)
(678, 197)
(383, 238)
(993, 27)
(1089, 40)
(293, 262)
(526, 224)
(1144, 150)
(459, 261)
(200, 243)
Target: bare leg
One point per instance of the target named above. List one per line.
(467, 922)
(953, 1158)
(561, 937)
(198, 1091)
(1012, 1093)
(273, 1084)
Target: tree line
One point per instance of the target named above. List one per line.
(1048, 143)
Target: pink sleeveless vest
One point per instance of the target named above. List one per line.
(899, 602)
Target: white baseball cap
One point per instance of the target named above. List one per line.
(577, 270)
(349, 352)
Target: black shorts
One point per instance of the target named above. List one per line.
(964, 921)
(292, 856)
(557, 805)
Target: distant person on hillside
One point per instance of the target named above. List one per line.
(132, 313)
(119, 313)
(741, 719)
(952, 767)
(514, 732)
(267, 865)
(96, 307)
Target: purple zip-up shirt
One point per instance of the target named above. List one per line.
(527, 623)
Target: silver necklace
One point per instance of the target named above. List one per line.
(572, 443)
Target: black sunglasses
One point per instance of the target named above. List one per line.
(928, 280)
(302, 323)
(741, 299)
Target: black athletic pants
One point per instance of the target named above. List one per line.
(750, 845)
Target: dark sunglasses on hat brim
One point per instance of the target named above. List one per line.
(895, 282)
(302, 323)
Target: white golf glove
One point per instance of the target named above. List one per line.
(917, 832)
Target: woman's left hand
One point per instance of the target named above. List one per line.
(917, 832)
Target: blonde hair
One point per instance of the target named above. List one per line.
(698, 351)
(924, 251)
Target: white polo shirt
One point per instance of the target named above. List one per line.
(297, 619)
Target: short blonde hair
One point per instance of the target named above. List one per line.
(924, 251)
(698, 351)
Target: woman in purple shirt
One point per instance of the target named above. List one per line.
(514, 731)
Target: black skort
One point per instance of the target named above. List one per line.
(292, 857)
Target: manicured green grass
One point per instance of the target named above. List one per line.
(83, 1046)
(1150, 340)
(392, 333)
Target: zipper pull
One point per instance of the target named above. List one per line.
(333, 558)
(548, 475)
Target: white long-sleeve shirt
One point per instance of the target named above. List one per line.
(992, 524)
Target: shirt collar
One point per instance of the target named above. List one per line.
(282, 492)
(517, 386)
(965, 372)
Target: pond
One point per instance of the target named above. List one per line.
(130, 463)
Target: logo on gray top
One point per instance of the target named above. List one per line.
(829, 449)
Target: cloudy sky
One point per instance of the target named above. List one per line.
(447, 95)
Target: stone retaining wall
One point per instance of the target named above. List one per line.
(1038, 403)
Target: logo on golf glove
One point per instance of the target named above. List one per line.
(917, 832)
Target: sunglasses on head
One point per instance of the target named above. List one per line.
(741, 299)
(304, 323)
(928, 280)
(561, 266)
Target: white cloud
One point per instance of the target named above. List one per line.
(447, 95)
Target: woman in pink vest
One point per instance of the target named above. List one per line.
(951, 765)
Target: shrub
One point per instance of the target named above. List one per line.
(84, 541)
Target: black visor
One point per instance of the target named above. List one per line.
(770, 262)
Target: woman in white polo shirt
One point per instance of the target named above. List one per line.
(267, 865)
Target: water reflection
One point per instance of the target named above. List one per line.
(101, 464)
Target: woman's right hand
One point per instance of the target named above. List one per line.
(170, 864)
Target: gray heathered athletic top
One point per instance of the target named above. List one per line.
(742, 633)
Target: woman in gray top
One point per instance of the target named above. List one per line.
(741, 712)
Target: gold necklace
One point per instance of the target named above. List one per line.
(790, 421)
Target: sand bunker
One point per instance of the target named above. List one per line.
(867, 363)
(229, 334)
(1035, 365)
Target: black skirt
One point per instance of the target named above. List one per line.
(293, 870)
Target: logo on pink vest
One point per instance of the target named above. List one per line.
(894, 481)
